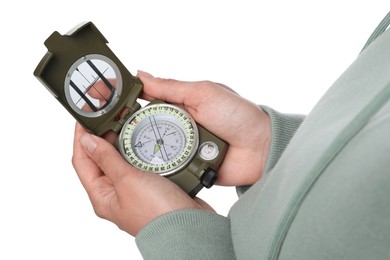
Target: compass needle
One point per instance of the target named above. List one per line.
(168, 129)
(156, 148)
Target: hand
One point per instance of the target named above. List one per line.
(121, 193)
(131, 198)
(239, 122)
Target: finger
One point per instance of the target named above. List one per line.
(226, 87)
(154, 87)
(78, 152)
(111, 136)
(100, 90)
(106, 157)
(98, 94)
(98, 186)
(86, 169)
(203, 204)
(174, 91)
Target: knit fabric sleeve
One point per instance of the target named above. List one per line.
(198, 234)
(187, 234)
(283, 128)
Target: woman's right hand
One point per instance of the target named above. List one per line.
(244, 125)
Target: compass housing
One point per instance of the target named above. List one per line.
(159, 138)
(89, 80)
(66, 53)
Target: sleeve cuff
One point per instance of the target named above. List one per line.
(283, 128)
(187, 234)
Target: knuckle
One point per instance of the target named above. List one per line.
(206, 85)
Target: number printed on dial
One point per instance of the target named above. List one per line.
(159, 138)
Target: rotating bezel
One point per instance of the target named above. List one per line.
(176, 164)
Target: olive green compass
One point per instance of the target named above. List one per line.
(86, 77)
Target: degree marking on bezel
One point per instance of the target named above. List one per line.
(162, 111)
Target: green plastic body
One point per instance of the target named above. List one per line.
(64, 50)
(188, 179)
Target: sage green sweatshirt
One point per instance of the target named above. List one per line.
(325, 193)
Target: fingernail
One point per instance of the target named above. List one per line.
(88, 142)
(145, 74)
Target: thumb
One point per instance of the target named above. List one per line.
(105, 156)
(170, 90)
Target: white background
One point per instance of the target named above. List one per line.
(284, 54)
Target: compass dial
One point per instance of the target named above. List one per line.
(159, 138)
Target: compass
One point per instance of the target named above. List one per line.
(101, 94)
(160, 138)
